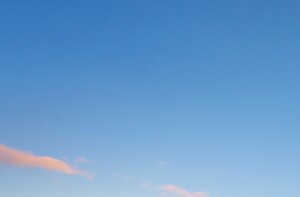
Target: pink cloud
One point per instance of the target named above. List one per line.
(172, 189)
(9, 156)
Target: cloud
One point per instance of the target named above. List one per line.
(81, 160)
(175, 190)
(13, 157)
(146, 185)
(162, 163)
(124, 176)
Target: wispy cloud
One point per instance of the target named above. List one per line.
(166, 190)
(178, 191)
(162, 163)
(13, 157)
(81, 160)
(124, 176)
(146, 185)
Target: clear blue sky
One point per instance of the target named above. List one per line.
(209, 87)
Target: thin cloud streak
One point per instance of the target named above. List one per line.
(162, 163)
(13, 157)
(124, 176)
(81, 160)
(172, 189)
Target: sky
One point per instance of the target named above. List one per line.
(191, 98)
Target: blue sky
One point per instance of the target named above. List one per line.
(201, 95)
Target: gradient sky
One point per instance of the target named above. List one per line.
(153, 96)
